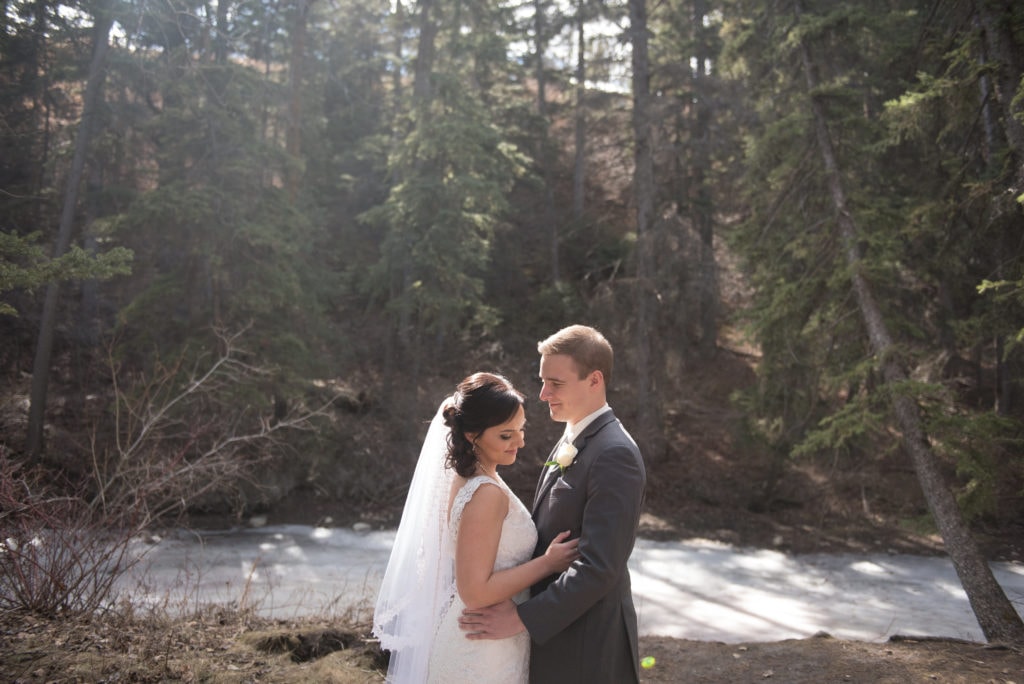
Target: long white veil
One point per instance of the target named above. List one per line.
(420, 571)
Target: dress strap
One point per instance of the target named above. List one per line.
(463, 497)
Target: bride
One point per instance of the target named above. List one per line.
(465, 540)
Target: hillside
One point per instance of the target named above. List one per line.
(708, 484)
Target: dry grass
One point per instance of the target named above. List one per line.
(218, 645)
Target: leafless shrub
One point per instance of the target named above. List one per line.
(56, 555)
(184, 432)
(191, 429)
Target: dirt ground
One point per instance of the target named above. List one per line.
(821, 660)
(220, 646)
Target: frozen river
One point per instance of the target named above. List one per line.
(690, 590)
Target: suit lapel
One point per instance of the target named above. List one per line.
(549, 475)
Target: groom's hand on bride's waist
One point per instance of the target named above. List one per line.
(499, 621)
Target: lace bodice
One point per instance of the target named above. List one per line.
(518, 535)
(454, 658)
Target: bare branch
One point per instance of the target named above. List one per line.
(183, 435)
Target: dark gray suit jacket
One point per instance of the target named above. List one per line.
(582, 623)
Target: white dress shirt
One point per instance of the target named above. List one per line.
(572, 431)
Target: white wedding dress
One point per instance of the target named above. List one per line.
(453, 657)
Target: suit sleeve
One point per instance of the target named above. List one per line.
(614, 496)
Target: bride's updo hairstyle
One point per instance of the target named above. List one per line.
(481, 401)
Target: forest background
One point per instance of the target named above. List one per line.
(247, 247)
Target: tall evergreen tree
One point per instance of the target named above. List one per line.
(220, 240)
(452, 171)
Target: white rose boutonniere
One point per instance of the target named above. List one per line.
(564, 457)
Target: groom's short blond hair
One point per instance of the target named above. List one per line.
(584, 345)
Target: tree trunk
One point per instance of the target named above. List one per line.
(393, 336)
(398, 29)
(87, 330)
(1006, 55)
(422, 90)
(643, 193)
(103, 21)
(580, 119)
(997, 617)
(409, 320)
(293, 137)
(40, 103)
(220, 41)
(545, 155)
(702, 210)
(1000, 56)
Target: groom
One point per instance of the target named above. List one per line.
(582, 623)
